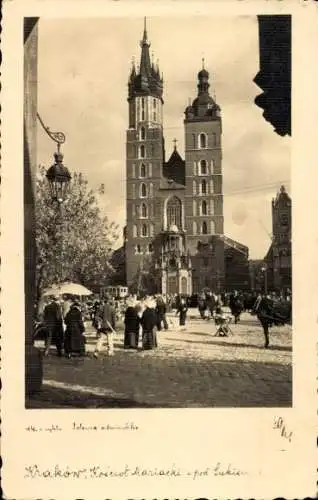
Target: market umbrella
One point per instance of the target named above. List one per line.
(68, 288)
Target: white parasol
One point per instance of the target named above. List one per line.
(68, 288)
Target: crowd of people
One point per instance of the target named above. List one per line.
(64, 318)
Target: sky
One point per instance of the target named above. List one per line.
(83, 70)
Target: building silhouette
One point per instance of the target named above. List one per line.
(174, 237)
(279, 256)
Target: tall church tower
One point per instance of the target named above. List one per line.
(144, 159)
(204, 192)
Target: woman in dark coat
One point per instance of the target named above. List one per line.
(74, 342)
(182, 310)
(149, 324)
(132, 323)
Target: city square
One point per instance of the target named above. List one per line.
(192, 368)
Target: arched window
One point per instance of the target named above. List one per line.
(142, 133)
(142, 172)
(135, 234)
(203, 167)
(142, 151)
(204, 208)
(143, 211)
(174, 212)
(203, 187)
(143, 190)
(202, 141)
(144, 231)
(204, 228)
(142, 108)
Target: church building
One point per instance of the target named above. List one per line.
(174, 236)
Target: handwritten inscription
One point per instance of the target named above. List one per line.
(97, 472)
(279, 424)
(80, 427)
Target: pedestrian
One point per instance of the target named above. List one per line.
(53, 321)
(74, 342)
(161, 311)
(149, 324)
(107, 318)
(182, 310)
(132, 325)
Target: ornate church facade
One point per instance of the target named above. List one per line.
(174, 235)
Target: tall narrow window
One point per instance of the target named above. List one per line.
(174, 212)
(144, 211)
(212, 166)
(203, 187)
(203, 167)
(204, 228)
(142, 152)
(133, 189)
(142, 172)
(143, 190)
(142, 133)
(151, 190)
(135, 234)
(202, 141)
(151, 229)
(144, 231)
(212, 225)
(142, 108)
(150, 248)
(193, 138)
(194, 188)
(194, 227)
(211, 186)
(150, 170)
(204, 208)
(138, 249)
(194, 168)
(133, 170)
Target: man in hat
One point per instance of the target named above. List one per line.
(52, 318)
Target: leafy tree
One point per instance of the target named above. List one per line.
(74, 240)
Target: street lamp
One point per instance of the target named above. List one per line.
(58, 178)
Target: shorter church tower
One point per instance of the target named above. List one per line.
(204, 190)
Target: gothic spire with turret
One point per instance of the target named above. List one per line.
(147, 80)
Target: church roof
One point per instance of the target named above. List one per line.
(174, 171)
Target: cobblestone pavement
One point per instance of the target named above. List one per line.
(191, 368)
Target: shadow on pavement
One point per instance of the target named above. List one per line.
(53, 397)
(149, 381)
